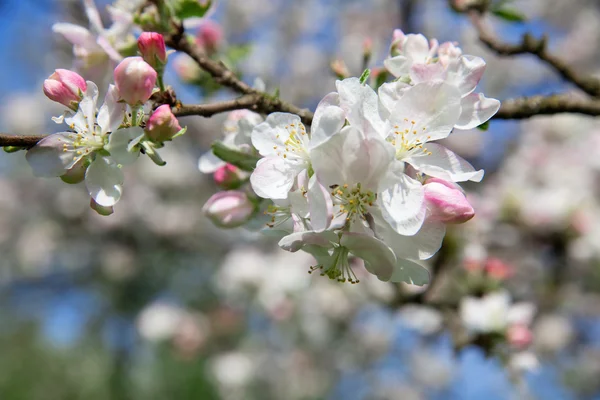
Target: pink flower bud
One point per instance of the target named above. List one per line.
(65, 87)
(162, 124)
(135, 80)
(153, 50)
(397, 42)
(229, 209)
(209, 36)
(339, 68)
(519, 336)
(498, 269)
(367, 47)
(227, 176)
(446, 202)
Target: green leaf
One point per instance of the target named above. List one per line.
(244, 161)
(484, 126)
(13, 149)
(184, 9)
(509, 14)
(365, 76)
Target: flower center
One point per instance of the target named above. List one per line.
(295, 145)
(408, 139)
(338, 267)
(278, 214)
(353, 201)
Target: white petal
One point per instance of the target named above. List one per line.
(403, 206)
(410, 272)
(476, 109)
(328, 120)
(379, 258)
(76, 34)
(273, 177)
(87, 106)
(112, 112)
(298, 240)
(421, 246)
(48, 158)
(350, 158)
(209, 163)
(445, 164)
(118, 145)
(398, 66)
(104, 181)
(416, 47)
(433, 106)
(109, 49)
(426, 72)
(389, 93)
(361, 105)
(93, 16)
(465, 73)
(270, 136)
(321, 205)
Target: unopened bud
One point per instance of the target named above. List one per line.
(162, 125)
(65, 87)
(209, 36)
(339, 68)
(398, 38)
(228, 176)
(229, 209)
(519, 336)
(135, 80)
(153, 50)
(446, 202)
(498, 269)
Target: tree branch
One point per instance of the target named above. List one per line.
(27, 141)
(536, 47)
(265, 103)
(250, 101)
(526, 107)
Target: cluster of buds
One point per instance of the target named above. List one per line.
(104, 138)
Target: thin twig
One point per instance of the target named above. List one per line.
(251, 101)
(527, 107)
(265, 103)
(536, 47)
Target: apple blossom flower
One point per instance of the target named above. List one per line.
(162, 125)
(415, 60)
(286, 146)
(135, 80)
(229, 209)
(153, 50)
(96, 49)
(96, 145)
(65, 87)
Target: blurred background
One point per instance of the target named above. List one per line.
(154, 302)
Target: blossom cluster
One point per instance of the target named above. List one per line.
(103, 138)
(367, 179)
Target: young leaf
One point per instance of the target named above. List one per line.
(509, 14)
(244, 161)
(184, 9)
